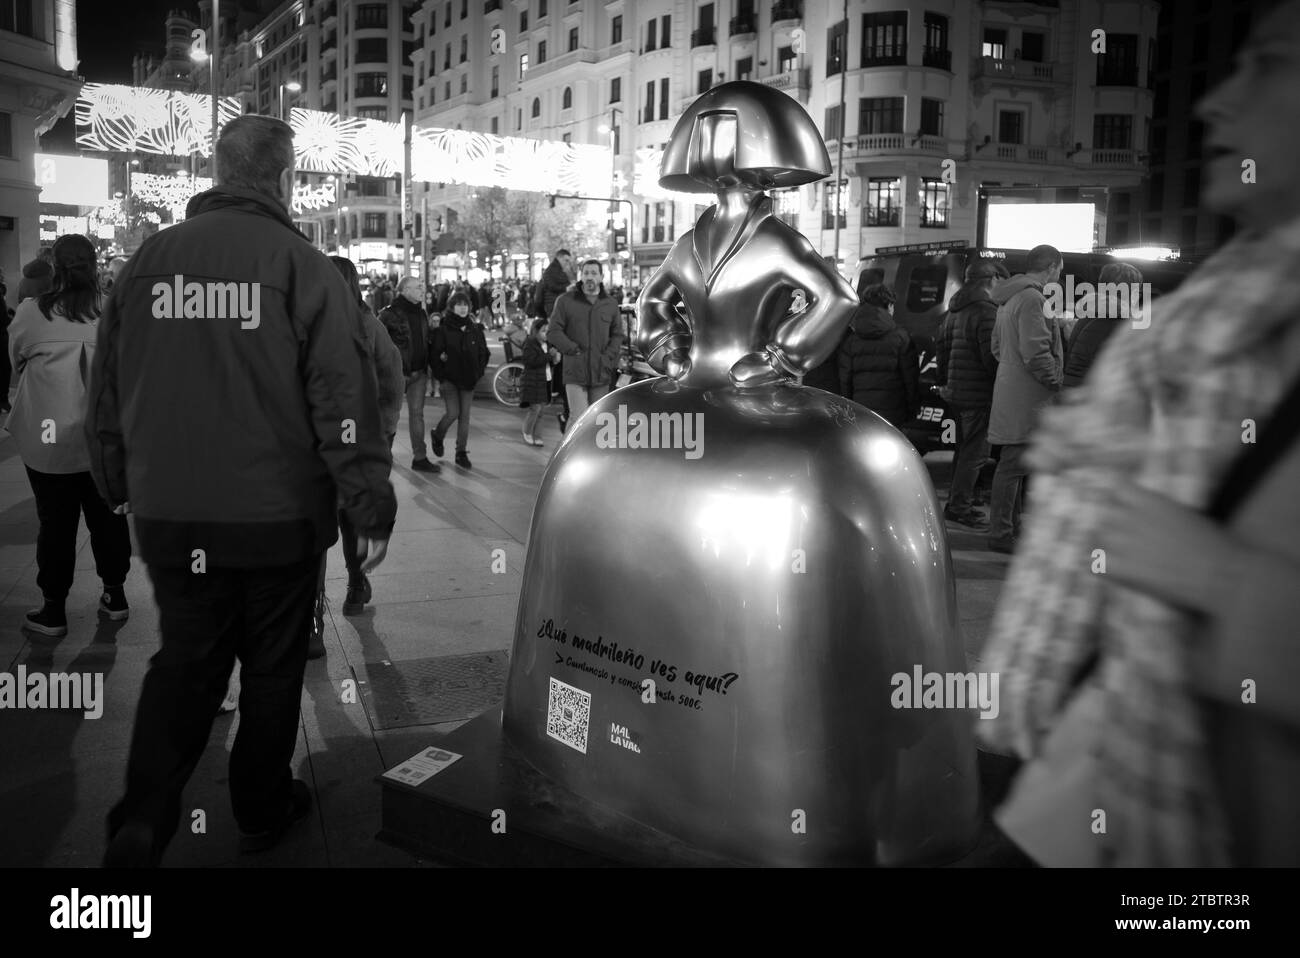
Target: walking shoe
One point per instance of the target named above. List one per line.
(299, 805)
(969, 517)
(564, 423)
(49, 619)
(438, 448)
(527, 438)
(537, 441)
(424, 465)
(113, 603)
(463, 460)
(131, 847)
(1007, 546)
(357, 597)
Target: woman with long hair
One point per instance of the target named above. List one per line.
(52, 347)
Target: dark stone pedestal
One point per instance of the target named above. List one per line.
(449, 817)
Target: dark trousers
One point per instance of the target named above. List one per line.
(1007, 500)
(263, 616)
(972, 451)
(458, 402)
(61, 499)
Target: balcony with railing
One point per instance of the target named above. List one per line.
(895, 56)
(740, 26)
(996, 70)
(937, 58)
(703, 37)
(793, 83)
(329, 74)
(569, 58)
(786, 10)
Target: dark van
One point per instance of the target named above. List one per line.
(924, 282)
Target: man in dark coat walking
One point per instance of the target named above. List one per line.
(967, 370)
(408, 325)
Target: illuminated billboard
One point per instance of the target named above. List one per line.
(1067, 226)
(72, 180)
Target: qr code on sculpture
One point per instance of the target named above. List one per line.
(568, 713)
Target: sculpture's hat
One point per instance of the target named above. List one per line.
(743, 132)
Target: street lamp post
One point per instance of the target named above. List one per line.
(293, 86)
(200, 53)
(612, 129)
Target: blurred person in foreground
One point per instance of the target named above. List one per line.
(233, 406)
(1130, 687)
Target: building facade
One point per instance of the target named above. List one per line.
(38, 86)
(1017, 95)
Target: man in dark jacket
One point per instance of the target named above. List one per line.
(555, 281)
(879, 367)
(233, 403)
(586, 329)
(408, 325)
(459, 356)
(967, 369)
(1091, 332)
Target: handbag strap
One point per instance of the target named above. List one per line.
(1249, 468)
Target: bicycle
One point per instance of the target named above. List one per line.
(508, 382)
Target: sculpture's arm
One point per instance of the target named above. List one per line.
(663, 337)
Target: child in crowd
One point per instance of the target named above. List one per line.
(536, 392)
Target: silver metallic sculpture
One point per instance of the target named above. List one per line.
(727, 569)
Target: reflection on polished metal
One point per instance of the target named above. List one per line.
(727, 569)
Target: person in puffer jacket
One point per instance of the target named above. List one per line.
(967, 369)
(879, 367)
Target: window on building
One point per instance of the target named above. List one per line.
(1033, 46)
(884, 201)
(665, 31)
(616, 90)
(541, 9)
(1011, 126)
(931, 117)
(446, 90)
(880, 114)
(464, 83)
(744, 68)
(1118, 65)
(652, 35)
(373, 185)
(496, 80)
(464, 9)
(573, 39)
(836, 39)
(6, 134)
(934, 203)
(541, 52)
(372, 84)
(786, 60)
(995, 43)
(663, 99)
(884, 38)
(1112, 131)
(936, 52)
(649, 113)
(566, 99)
(833, 123)
(566, 137)
(523, 65)
(371, 15)
(376, 225)
(523, 21)
(446, 21)
(495, 127)
(616, 29)
(446, 57)
(785, 204)
(519, 118)
(704, 81)
(464, 48)
(537, 107)
(835, 205)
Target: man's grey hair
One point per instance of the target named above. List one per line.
(253, 151)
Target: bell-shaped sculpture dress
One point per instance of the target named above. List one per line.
(734, 582)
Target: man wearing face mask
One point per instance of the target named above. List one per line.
(233, 405)
(585, 328)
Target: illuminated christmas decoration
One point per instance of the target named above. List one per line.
(308, 197)
(516, 163)
(645, 175)
(329, 143)
(135, 120)
(172, 193)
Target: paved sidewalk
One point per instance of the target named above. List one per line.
(435, 594)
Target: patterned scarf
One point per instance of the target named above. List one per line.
(1163, 408)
